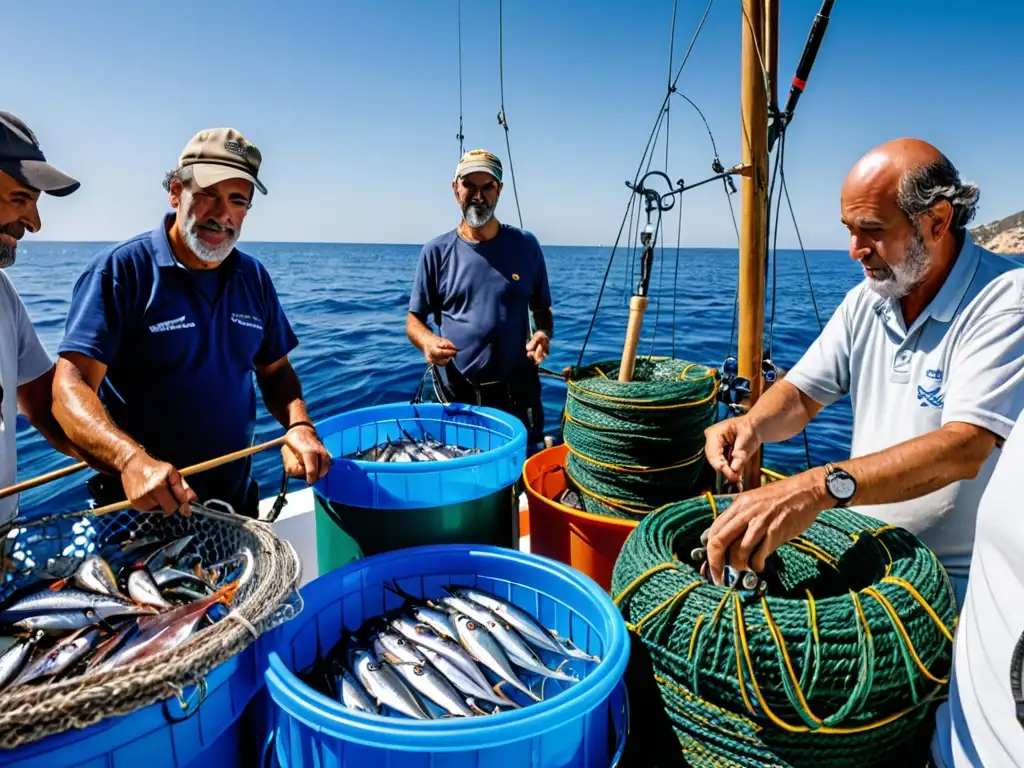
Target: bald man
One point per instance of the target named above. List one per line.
(930, 348)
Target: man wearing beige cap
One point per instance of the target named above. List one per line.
(164, 333)
(480, 282)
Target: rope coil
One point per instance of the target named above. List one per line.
(634, 446)
(838, 665)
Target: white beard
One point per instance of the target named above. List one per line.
(907, 276)
(190, 232)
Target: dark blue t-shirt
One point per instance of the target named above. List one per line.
(180, 347)
(479, 295)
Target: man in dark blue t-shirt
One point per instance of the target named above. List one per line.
(164, 334)
(479, 282)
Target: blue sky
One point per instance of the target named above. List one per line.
(355, 106)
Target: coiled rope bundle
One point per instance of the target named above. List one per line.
(635, 446)
(836, 665)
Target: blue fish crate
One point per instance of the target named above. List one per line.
(201, 723)
(500, 437)
(583, 726)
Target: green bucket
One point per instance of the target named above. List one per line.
(345, 533)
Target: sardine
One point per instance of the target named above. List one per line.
(520, 654)
(412, 665)
(524, 623)
(61, 656)
(456, 605)
(485, 648)
(95, 575)
(467, 685)
(437, 620)
(387, 686)
(13, 659)
(144, 590)
(425, 637)
(67, 609)
(351, 693)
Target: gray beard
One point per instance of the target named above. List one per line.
(902, 280)
(8, 256)
(202, 251)
(477, 215)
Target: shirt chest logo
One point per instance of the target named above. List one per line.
(929, 398)
(177, 324)
(247, 320)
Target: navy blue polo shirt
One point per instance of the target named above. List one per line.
(480, 296)
(180, 347)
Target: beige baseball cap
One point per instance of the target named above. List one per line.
(218, 154)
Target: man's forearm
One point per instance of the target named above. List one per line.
(419, 332)
(544, 320)
(781, 412)
(282, 394)
(80, 414)
(920, 466)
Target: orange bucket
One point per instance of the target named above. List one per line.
(587, 542)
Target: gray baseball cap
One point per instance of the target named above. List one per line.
(23, 160)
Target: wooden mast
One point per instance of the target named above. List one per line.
(754, 197)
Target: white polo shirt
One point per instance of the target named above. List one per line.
(22, 359)
(979, 726)
(961, 360)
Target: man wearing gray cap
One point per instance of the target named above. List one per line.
(26, 371)
(480, 282)
(164, 334)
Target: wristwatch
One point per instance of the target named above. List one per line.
(840, 484)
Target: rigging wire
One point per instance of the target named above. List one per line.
(460, 136)
(636, 178)
(501, 112)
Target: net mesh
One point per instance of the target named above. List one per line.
(52, 547)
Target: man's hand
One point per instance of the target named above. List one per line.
(304, 455)
(439, 351)
(729, 445)
(761, 520)
(150, 484)
(538, 347)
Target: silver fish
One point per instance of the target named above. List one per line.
(425, 637)
(58, 610)
(386, 452)
(467, 685)
(58, 658)
(351, 693)
(437, 620)
(426, 679)
(455, 605)
(531, 629)
(95, 575)
(144, 590)
(171, 576)
(520, 654)
(486, 649)
(168, 554)
(386, 685)
(13, 659)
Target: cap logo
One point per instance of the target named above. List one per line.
(235, 148)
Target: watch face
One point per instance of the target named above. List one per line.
(842, 486)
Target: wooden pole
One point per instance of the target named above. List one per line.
(49, 477)
(194, 469)
(754, 195)
(637, 307)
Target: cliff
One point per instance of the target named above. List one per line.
(1003, 236)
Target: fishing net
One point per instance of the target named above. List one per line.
(51, 547)
(638, 445)
(839, 663)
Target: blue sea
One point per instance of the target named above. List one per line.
(347, 304)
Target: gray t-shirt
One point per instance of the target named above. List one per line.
(22, 359)
(961, 360)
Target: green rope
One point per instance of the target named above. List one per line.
(635, 446)
(847, 677)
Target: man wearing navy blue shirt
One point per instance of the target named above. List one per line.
(479, 282)
(164, 334)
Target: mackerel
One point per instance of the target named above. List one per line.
(144, 590)
(95, 575)
(60, 657)
(351, 693)
(386, 685)
(467, 685)
(484, 647)
(427, 638)
(425, 678)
